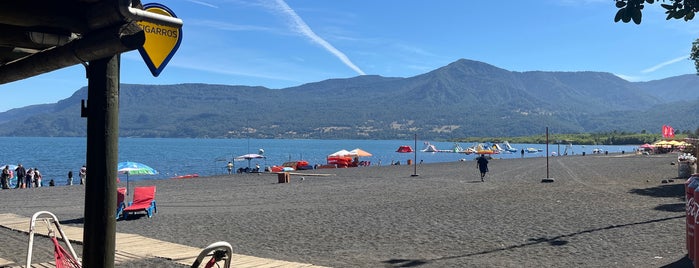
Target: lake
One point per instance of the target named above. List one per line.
(172, 157)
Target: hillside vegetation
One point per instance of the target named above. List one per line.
(463, 99)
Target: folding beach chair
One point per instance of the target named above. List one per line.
(219, 251)
(143, 200)
(62, 257)
(121, 198)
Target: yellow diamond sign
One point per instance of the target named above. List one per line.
(161, 41)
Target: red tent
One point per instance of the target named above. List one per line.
(405, 149)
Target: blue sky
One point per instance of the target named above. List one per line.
(284, 43)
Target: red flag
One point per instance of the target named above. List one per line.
(668, 132)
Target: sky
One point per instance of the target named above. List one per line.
(286, 43)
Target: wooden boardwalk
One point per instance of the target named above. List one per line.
(131, 247)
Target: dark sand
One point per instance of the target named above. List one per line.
(601, 211)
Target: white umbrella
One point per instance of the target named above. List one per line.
(248, 157)
(342, 152)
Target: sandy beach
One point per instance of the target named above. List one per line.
(601, 211)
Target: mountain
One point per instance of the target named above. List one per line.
(678, 88)
(464, 98)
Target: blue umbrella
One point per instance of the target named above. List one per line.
(134, 168)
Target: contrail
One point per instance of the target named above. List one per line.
(663, 64)
(301, 27)
(202, 3)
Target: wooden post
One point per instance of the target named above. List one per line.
(102, 156)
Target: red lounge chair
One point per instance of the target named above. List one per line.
(143, 200)
(121, 197)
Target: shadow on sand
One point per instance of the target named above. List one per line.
(73, 221)
(681, 263)
(663, 190)
(553, 241)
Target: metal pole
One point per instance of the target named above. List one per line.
(547, 152)
(102, 154)
(415, 158)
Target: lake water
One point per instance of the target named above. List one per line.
(172, 157)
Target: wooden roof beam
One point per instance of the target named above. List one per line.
(98, 45)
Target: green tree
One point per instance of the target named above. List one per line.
(630, 10)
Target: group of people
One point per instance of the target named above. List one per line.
(32, 177)
(26, 178)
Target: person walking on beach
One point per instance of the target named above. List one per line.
(82, 174)
(70, 178)
(482, 164)
(522, 152)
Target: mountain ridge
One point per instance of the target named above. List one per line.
(464, 98)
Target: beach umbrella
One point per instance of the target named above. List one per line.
(248, 157)
(342, 152)
(647, 146)
(134, 168)
(359, 152)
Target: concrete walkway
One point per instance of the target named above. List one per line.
(131, 247)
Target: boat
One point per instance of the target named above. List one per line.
(532, 150)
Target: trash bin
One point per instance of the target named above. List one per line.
(685, 169)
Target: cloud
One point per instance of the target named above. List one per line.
(203, 3)
(302, 28)
(663, 64)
